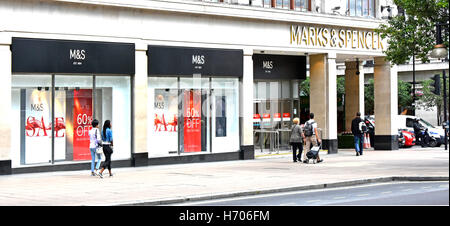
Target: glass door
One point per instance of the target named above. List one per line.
(275, 104)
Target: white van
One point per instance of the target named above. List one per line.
(407, 122)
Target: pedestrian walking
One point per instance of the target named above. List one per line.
(311, 137)
(107, 137)
(296, 140)
(358, 133)
(94, 143)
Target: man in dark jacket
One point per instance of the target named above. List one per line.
(358, 134)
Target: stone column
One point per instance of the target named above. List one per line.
(246, 107)
(140, 101)
(5, 93)
(323, 101)
(386, 103)
(354, 92)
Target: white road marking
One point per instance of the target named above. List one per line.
(407, 189)
(361, 195)
(339, 197)
(386, 192)
(288, 204)
(317, 200)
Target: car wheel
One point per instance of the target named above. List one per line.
(433, 143)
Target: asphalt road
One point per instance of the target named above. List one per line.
(398, 193)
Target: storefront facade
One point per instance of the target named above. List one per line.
(58, 88)
(188, 88)
(193, 96)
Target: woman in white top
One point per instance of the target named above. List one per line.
(94, 141)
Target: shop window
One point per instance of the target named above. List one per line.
(31, 120)
(193, 115)
(225, 123)
(162, 116)
(77, 101)
(112, 102)
(364, 8)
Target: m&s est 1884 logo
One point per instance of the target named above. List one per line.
(78, 55)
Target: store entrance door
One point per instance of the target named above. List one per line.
(274, 108)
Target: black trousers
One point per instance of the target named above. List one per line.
(296, 146)
(107, 151)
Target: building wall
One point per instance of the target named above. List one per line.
(181, 23)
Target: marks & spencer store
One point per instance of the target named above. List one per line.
(190, 81)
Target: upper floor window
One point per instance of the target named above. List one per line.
(301, 5)
(365, 8)
(283, 4)
(267, 3)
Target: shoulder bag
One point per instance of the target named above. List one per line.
(99, 149)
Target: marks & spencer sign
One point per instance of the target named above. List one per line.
(323, 37)
(267, 66)
(175, 61)
(74, 57)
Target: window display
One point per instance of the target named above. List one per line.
(225, 123)
(31, 118)
(195, 115)
(163, 116)
(76, 104)
(192, 115)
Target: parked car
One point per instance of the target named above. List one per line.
(436, 134)
(409, 138)
(401, 139)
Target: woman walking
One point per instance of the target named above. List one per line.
(296, 140)
(107, 147)
(94, 143)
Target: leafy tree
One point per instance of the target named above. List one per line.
(404, 97)
(413, 32)
(340, 86)
(369, 96)
(304, 87)
(429, 100)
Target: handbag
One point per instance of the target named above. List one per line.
(99, 148)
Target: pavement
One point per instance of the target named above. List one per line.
(168, 184)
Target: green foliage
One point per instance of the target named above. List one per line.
(429, 100)
(304, 87)
(414, 34)
(340, 86)
(405, 99)
(369, 96)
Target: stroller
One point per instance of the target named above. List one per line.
(313, 153)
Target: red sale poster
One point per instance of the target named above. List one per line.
(192, 121)
(82, 118)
